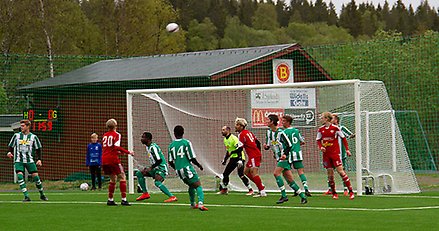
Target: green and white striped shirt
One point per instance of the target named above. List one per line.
(291, 137)
(347, 134)
(180, 152)
(24, 147)
(272, 140)
(155, 154)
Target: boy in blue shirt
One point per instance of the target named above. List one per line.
(94, 161)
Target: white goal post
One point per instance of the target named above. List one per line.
(379, 158)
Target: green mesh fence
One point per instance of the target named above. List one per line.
(82, 102)
(408, 67)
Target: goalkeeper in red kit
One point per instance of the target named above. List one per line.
(111, 164)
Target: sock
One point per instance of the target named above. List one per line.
(225, 181)
(244, 180)
(280, 184)
(22, 184)
(123, 188)
(163, 188)
(111, 189)
(346, 180)
(200, 194)
(332, 184)
(296, 188)
(39, 184)
(192, 195)
(250, 177)
(258, 182)
(141, 181)
(304, 182)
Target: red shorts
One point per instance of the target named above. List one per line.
(112, 169)
(331, 161)
(253, 162)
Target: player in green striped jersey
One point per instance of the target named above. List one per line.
(272, 136)
(343, 154)
(297, 157)
(158, 169)
(181, 156)
(288, 142)
(25, 148)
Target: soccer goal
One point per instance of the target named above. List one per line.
(379, 160)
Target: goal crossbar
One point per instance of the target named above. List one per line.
(355, 101)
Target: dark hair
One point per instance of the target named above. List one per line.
(26, 122)
(178, 131)
(147, 135)
(288, 118)
(273, 118)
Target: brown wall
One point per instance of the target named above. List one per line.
(85, 110)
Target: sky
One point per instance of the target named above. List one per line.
(414, 3)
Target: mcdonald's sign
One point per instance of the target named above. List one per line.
(260, 116)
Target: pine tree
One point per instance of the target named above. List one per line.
(282, 13)
(351, 19)
(332, 15)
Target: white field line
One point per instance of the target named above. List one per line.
(231, 206)
(209, 193)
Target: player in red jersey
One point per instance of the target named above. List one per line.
(327, 140)
(252, 147)
(111, 165)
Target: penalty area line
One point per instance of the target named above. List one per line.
(230, 206)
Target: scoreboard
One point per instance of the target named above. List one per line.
(44, 120)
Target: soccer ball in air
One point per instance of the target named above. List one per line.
(172, 27)
(84, 186)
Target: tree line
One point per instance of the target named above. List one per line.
(136, 27)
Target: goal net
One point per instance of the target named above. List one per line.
(379, 161)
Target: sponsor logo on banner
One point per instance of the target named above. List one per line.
(283, 71)
(260, 115)
(303, 117)
(303, 98)
(283, 98)
(265, 98)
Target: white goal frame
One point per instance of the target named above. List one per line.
(355, 83)
(371, 92)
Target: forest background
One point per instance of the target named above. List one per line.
(396, 44)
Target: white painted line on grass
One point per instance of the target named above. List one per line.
(214, 193)
(230, 206)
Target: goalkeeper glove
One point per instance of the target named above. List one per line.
(240, 163)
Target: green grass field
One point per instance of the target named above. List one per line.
(78, 210)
